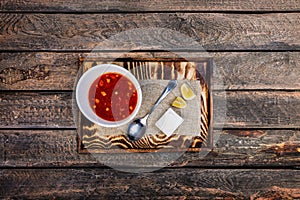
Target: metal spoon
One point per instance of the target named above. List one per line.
(137, 128)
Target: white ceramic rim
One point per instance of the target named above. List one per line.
(82, 91)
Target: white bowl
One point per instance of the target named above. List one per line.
(83, 87)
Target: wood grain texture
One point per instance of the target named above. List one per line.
(234, 148)
(36, 110)
(270, 139)
(54, 110)
(232, 70)
(95, 140)
(163, 184)
(214, 31)
(258, 109)
(38, 71)
(257, 70)
(141, 6)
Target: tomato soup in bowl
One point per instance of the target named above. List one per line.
(108, 95)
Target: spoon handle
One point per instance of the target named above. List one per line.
(171, 85)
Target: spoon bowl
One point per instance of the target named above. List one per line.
(136, 130)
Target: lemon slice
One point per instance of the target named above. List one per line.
(187, 92)
(179, 103)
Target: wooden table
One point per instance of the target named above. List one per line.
(255, 45)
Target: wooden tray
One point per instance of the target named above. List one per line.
(153, 68)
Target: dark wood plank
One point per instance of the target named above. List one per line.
(36, 110)
(38, 71)
(243, 70)
(54, 110)
(257, 148)
(214, 31)
(258, 109)
(132, 6)
(257, 70)
(163, 184)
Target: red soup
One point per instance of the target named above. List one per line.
(113, 96)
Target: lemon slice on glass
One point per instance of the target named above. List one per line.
(179, 103)
(187, 92)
